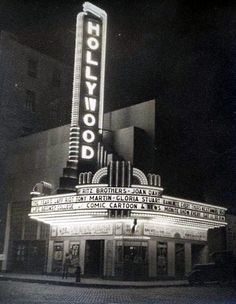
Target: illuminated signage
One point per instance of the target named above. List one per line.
(88, 86)
(135, 198)
(90, 78)
(168, 231)
(82, 229)
(143, 228)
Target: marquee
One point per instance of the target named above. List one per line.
(98, 199)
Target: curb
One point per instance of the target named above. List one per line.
(89, 285)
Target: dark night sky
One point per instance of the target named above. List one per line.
(183, 53)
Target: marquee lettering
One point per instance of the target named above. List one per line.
(88, 136)
(93, 28)
(87, 152)
(91, 87)
(89, 59)
(90, 103)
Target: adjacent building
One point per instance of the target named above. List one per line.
(35, 94)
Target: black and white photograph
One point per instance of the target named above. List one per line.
(117, 152)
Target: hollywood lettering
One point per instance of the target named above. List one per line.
(90, 88)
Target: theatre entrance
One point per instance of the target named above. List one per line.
(131, 260)
(94, 258)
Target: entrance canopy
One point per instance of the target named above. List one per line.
(98, 202)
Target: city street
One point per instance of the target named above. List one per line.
(29, 293)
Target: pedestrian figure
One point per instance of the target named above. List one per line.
(77, 274)
(66, 265)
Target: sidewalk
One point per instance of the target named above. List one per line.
(91, 282)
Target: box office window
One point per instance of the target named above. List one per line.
(131, 259)
(135, 252)
(131, 250)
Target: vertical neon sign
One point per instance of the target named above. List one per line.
(88, 86)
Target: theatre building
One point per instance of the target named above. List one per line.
(98, 198)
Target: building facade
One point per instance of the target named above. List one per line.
(116, 223)
(35, 94)
(94, 195)
(35, 88)
(42, 156)
(130, 232)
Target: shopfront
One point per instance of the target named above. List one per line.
(136, 256)
(126, 232)
(29, 256)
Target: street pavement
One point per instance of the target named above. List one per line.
(12, 292)
(88, 282)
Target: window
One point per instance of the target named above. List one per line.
(30, 100)
(118, 213)
(53, 114)
(20, 253)
(32, 67)
(53, 110)
(56, 78)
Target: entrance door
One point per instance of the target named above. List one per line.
(179, 260)
(94, 258)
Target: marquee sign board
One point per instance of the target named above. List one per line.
(88, 86)
(92, 198)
